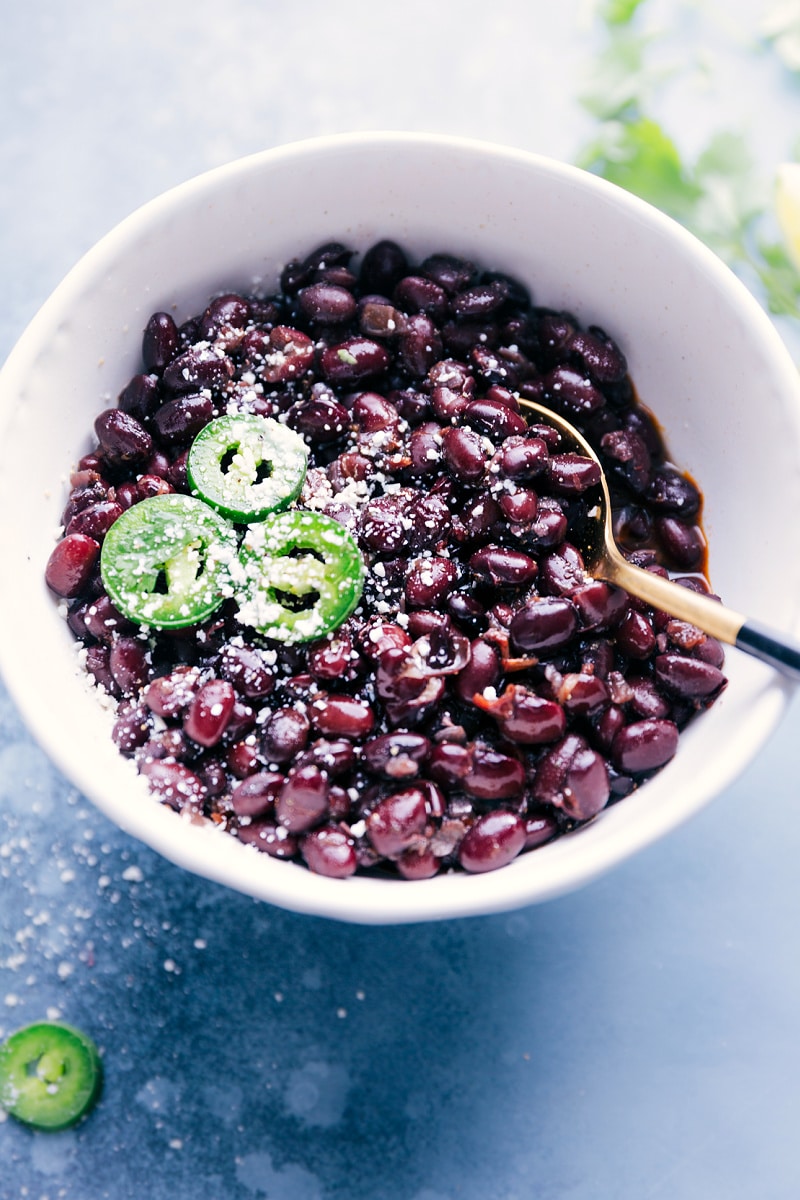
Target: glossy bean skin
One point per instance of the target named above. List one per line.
(493, 841)
(71, 565)
(303, 799)
(246, 669)
(496, 420)
(268, 837)
(683, 542)
(644, 745)
(522, 458)
(353, 360)
(527, 718)
(319, 419)
(572, 777)
(209, 712)
(327, 304)
(95, 520)
(464, 454)
(122, 438)
(198, 368)
(329, 851)
(482, 771)
(689, 678)
(341, 716)
(285, 734)
(132, 729)
(481, 672)
(397, 755)
(180, 419)
(544, 624)
(160, 341)
(174, 784)
(128, 663)
(416, 294)
(429, 582)
(255, 796)
(382, 267)
(502, 564)
(397, 822)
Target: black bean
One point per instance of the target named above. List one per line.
(684, 544)
(353, 360)
(573, 777)
(451, 273)
(174, 784)
(320, 419)
(429, 581)
(140, 397)
(493, 418)
(284, 734)
(689, 678)
(644, 745)
(481, 300)
(544, 624)
(329, 851)
(502, 565)
(122, 438)
(382, 267)
(327, 304)
(601, 356)
(255, 796)
(573, 392)
(303, 799)
(160, 341)
(182, 418)
(493, 841)
(201, 367)
(71, 565)
(420, 345)
(416, 294)
(465, 454)
(671, 492)
(628, 456)
(571, 474)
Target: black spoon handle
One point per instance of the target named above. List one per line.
(777, 649)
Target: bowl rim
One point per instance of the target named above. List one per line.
(286, 884)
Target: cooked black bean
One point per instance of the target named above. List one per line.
(327, 304)
(122, 438)
(544, 624)
(160, 341)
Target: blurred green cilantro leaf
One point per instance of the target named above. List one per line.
(619, 12)
(719, 196)
(637, 154)
(781, 27)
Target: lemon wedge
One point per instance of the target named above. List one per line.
(787, 207)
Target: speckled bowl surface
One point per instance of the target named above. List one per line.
(704, 357)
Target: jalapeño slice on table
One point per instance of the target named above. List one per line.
(50, 1075)
(300, 575)
(165, 561)
(247, 466)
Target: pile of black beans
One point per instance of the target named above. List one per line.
(487, 695)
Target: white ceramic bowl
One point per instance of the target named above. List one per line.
(702, 353)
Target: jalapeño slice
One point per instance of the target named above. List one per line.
(300, 575)
(165, 561)
(50, 1075)
(246, 466)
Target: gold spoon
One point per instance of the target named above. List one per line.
(603, 560)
